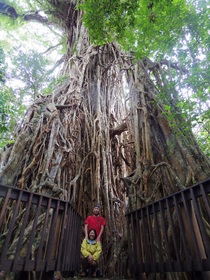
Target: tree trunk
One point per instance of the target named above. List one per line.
(101, 136)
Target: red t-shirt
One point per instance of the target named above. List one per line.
(95, 222)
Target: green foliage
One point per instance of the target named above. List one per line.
(30, 70)
(8, 114)
(106, 19)
(2, 65)
(54, 83)
(141, 26)
(24, 73)
(25, 79)
(201, 127)
(10, 19)
(7, 109)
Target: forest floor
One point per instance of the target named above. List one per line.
(95, 278)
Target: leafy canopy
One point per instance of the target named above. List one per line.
(142, 26)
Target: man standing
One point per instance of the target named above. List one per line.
(95, 221)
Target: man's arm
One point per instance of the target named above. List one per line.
(86, 231)
(100, 233)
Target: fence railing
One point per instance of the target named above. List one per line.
(37, 233)
(173, 234)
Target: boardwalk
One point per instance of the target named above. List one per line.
(7, 276)
(78, 277)
(57, 276)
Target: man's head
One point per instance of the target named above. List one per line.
(96, 210)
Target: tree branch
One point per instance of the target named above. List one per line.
(151, 65)
(10, 11)
(35, 17)
(119, 129)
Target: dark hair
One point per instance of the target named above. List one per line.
(92, 229)
(97, 205)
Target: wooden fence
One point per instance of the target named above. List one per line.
(37, 233)
(172, 235)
